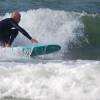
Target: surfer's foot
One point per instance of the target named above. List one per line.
(7, 45)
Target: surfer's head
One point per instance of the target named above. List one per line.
(16, 16)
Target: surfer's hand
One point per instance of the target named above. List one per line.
(34, 41)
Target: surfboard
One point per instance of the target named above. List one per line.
(41, 49)
(30, 50)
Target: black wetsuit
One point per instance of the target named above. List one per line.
(9, 30)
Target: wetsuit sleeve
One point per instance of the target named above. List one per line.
(15, 25)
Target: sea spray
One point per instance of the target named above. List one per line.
(50, 26)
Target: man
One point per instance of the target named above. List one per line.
(9, 30)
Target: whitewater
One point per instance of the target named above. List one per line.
(53, 76)
(71, 80)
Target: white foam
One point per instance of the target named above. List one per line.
(50, 26)
(71, 80)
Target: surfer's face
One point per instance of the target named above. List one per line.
(16, 16)
(17, 19)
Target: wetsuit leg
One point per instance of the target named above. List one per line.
(4, 38)
(8, 37)
(13, 35)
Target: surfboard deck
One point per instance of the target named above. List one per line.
(30, 50)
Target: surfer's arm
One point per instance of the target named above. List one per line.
(21, 30)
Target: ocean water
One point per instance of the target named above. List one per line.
(73, 73)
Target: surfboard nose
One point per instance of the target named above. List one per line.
(53, 48)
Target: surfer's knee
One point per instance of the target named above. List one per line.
(14, 32)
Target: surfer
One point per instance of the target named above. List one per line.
(9, 30)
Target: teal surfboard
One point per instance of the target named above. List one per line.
(41, 49)
(30, 50)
